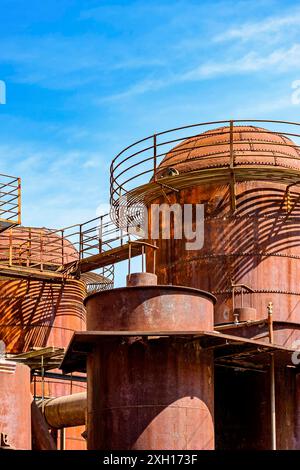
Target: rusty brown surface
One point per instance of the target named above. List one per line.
(15, 404)
(245, 313)
(40, 314)
(65, 411)
(156, 395)
(32, 245)
(258, 245)
(141, 279)
(153, 308)
(150, 397)
(251, 145)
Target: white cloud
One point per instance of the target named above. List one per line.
(279, 60)
(92, 163)
(253, 30)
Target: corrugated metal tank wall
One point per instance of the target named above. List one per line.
(258, 246)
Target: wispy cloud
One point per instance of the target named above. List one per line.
(277, 61)
(253, 30)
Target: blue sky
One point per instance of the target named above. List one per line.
(84, 79)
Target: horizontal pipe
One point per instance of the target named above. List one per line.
(53, 375)
(65, 411)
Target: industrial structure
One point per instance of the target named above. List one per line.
(200, 349)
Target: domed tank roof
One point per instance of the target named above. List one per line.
(37, 244)
(250, 146)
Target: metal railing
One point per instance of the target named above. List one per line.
(10, 201)
(60, 250)
(135, 171)
(145, 162)
(35, 248)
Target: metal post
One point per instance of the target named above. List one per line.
(100, 234)
(41, 250)
(129, 257)
(62, 247)
(10, 246)
(62, 439)
(19, 201)
(273, 403)
(80, 242)
(233, 298)
(154, 158)
(154, 258)
(120, 223)
(270, 322)
(43, 376)
(29, 247)
(272, 379)
(34, 387)
(143, 255)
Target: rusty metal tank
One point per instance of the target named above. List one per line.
(256, 242)
(37, 314)
(156, 393)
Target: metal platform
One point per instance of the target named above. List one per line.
(227, 348)
(42, 358)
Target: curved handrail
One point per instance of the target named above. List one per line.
(140, 163)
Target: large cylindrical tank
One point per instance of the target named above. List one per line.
(251, 237)
(37, 314)
(257, 243)
(156, 393)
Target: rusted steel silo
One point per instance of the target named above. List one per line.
(154, 394)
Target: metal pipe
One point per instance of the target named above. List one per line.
(273, 403)
(272, 379)
(66, 411)
(53, 375)
(270, 322)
